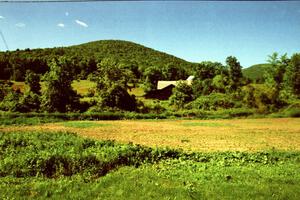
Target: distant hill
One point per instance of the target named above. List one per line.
(255, 72)
(127, 51)
(85, 56)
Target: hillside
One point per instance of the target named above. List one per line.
(85, 57)
(127, 51)
(255, 72)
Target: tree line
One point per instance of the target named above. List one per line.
(216, 86)
(84, 58)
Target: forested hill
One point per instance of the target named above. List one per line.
(84, 58)
(127, 51)
(256, 72)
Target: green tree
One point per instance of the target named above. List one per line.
(31, 99)
(235, 72)
(292, 75)
(273, 59)
(274, 77)
(29, 102)
(152, 76)
(117, 97)
(207, 70)
(173, 72)
(112, 83)
(220, 83)
(182, 94)
(5, 88)
(33, 81)
(58, 95)
(205, 81)
(275, 72)
(10, 101)
(108, 73)
(260, 96)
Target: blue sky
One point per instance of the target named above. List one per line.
(195, 31)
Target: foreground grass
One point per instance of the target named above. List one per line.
(148, 182)
(65, 166)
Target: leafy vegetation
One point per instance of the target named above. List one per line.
(116, 76)
(61, 154)
(213, 101)
(55, 165)
(58, 95)
(84, 58)
(182, 94)
(118, 69)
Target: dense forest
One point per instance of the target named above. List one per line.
(84, 59)
(116, 67)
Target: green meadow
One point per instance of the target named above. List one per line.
(62, 165)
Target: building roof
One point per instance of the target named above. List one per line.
(190, 78)
(164, 84)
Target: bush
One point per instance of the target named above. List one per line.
(117, 97)
(156, 107)
(53, 155)
(182, 94)
(41, 154)
(11, 102)
(213, 101)
(261, 97)
(5, 88)
(29, 102)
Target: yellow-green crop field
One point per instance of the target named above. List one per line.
(191, 135)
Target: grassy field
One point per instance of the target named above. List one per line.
(191, 135)
(151, 159)
(60, 165)
(82, 87)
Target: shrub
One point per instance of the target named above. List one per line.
(117, 97)
(11, 101)
(156, 107)
(29, 102)
(213, 101)
(182, 94)
(53, 155)
(261, 97)
(5, 88)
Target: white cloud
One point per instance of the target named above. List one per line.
(1, 17)
(81, 23)
(61, 25)
(20, 25)
(67, 14)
